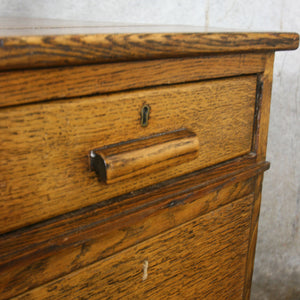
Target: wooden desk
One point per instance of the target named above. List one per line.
(132, 159)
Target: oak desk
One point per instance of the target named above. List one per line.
(132, 159)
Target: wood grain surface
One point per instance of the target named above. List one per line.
(37, 254)
(35, 48)
(27, 86)
(263, 103)
(179, 231)
(44, 147)
(183, 263)
(253, 235)
(118, 162)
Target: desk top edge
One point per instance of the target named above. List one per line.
(31, 43)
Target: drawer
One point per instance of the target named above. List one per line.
(35, 255)
(44, 147)
(202, 259)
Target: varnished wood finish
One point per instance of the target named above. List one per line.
(264, 89)
(179, 231)
(118, 162)
(38, 47)
(27, 86)
(41, 253)
(50, 153)
(183, 263)
(253, 236)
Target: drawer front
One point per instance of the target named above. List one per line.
(202, 259)
(44, 147)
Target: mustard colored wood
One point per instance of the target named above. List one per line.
(178, 216)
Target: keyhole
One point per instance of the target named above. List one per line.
(145, 115)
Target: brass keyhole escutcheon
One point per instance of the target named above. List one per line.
(145, 112)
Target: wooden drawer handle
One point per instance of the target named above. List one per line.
(143, 156)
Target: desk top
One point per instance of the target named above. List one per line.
(32, 43)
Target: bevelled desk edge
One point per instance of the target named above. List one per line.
(34, 48)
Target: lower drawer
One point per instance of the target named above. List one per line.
(204, 259)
